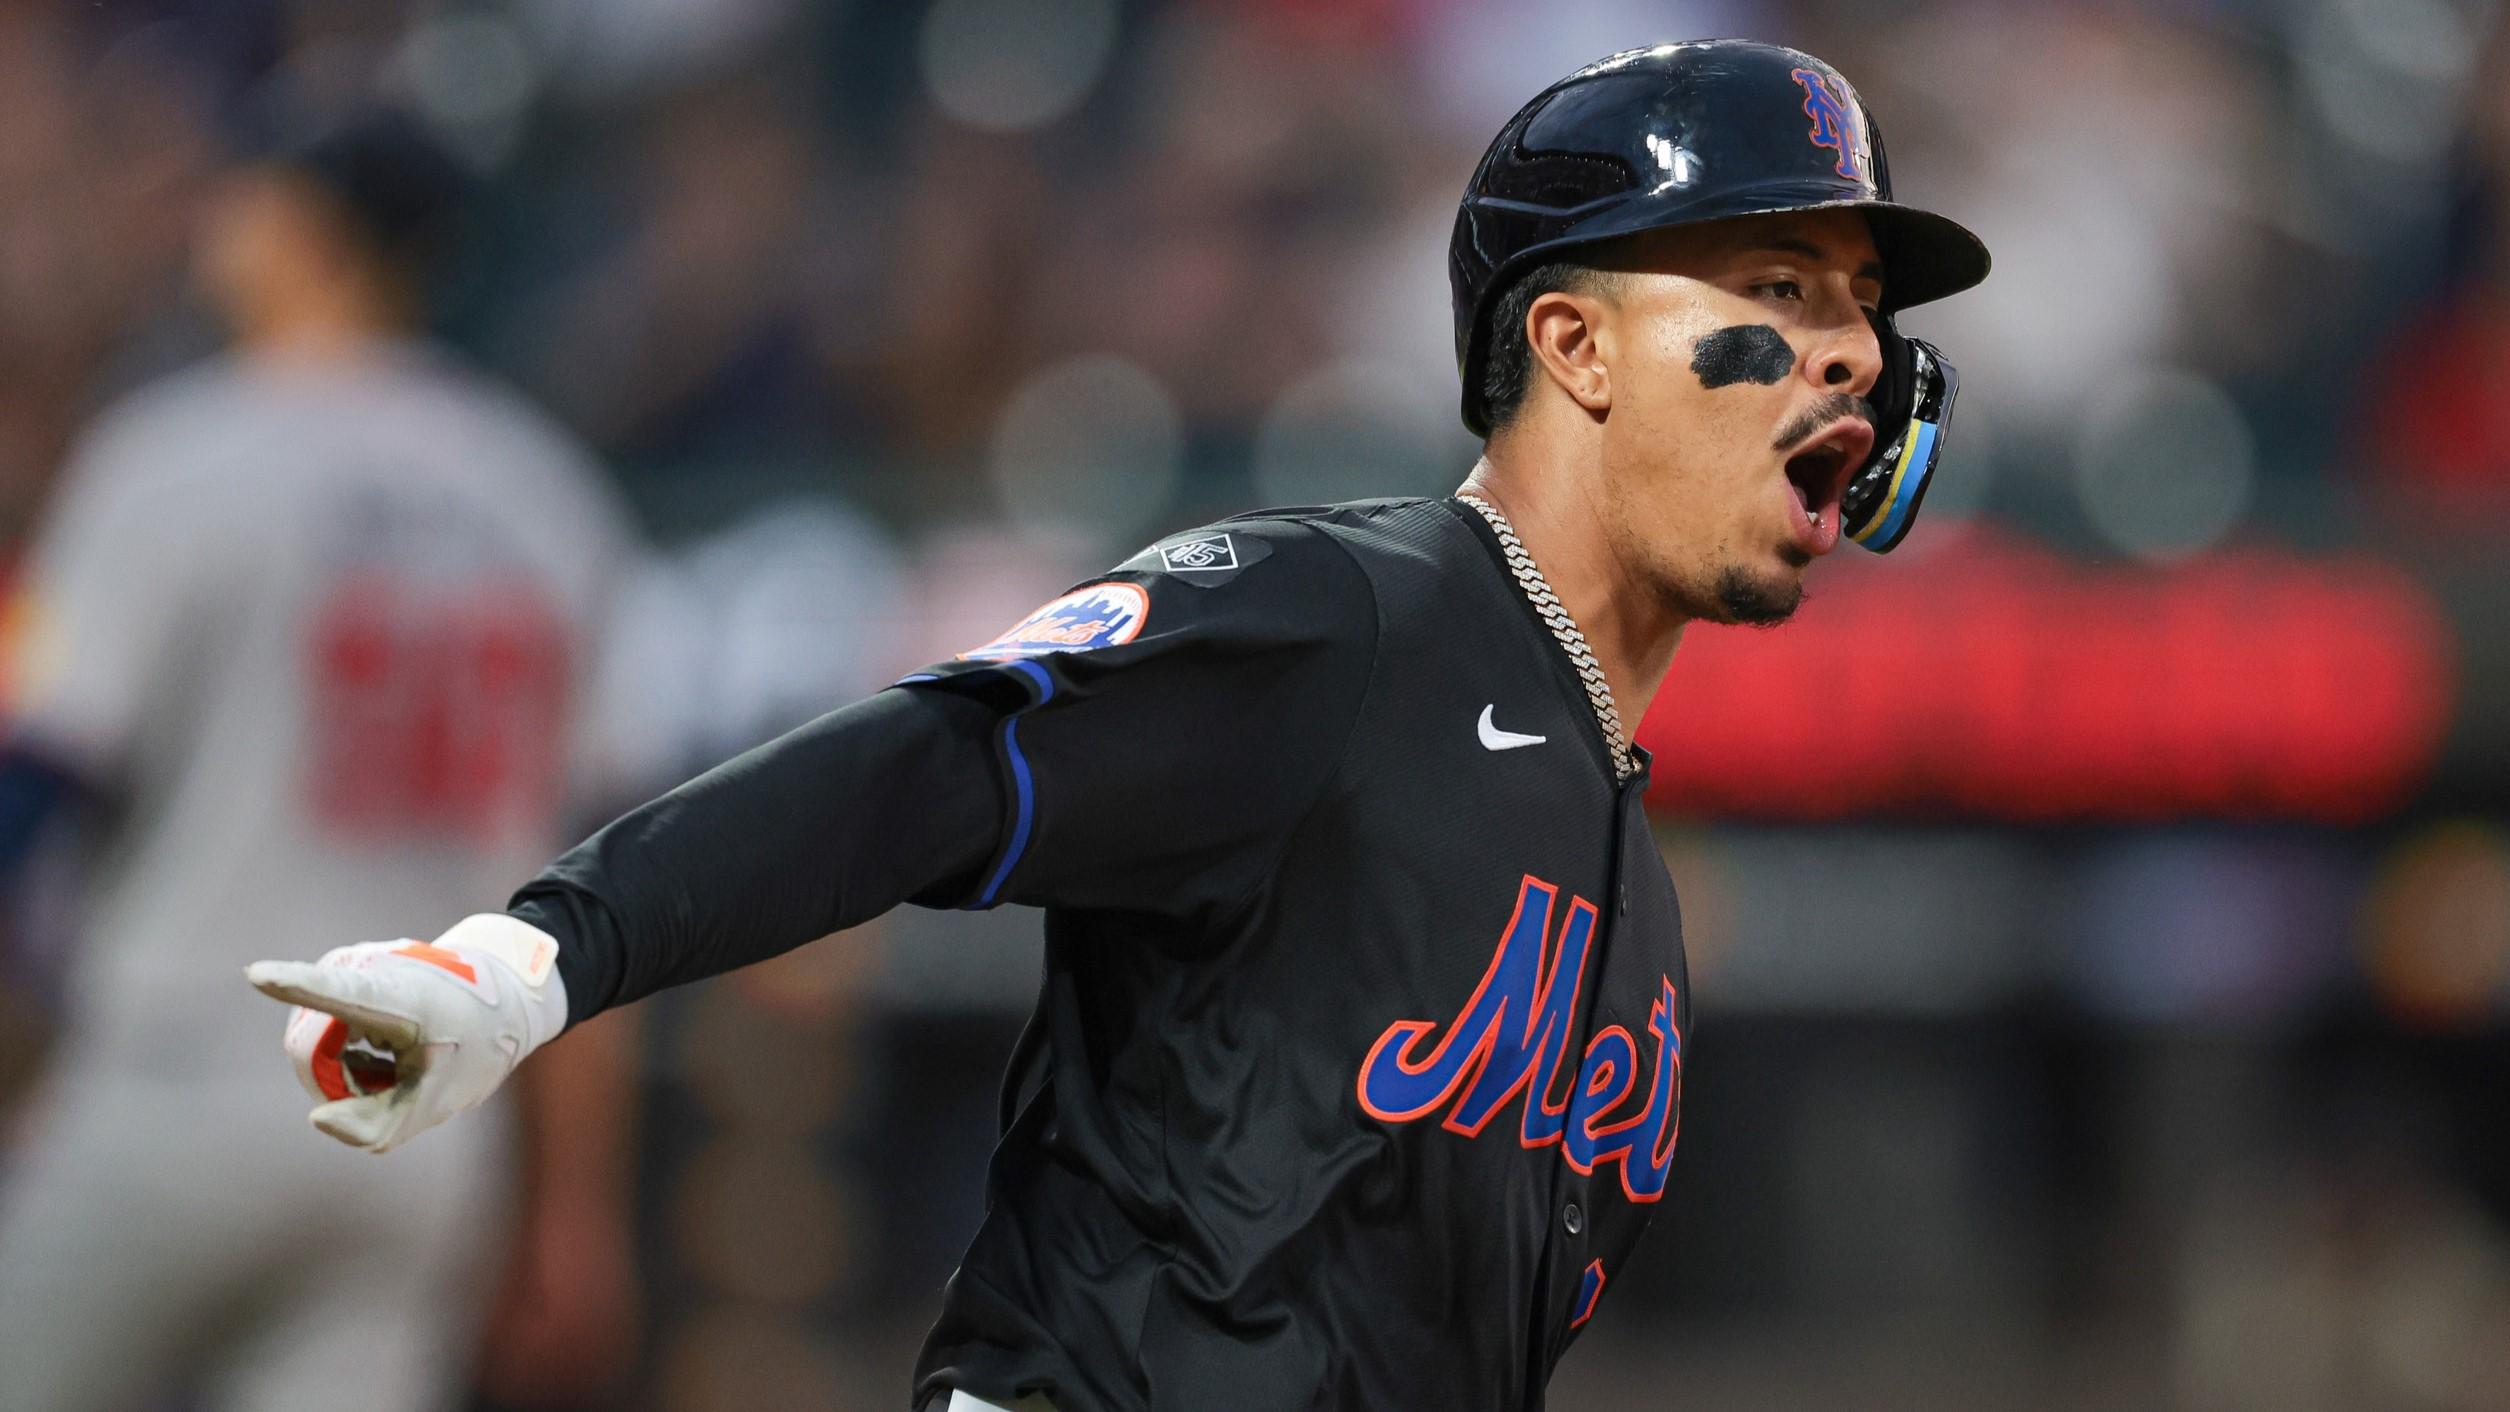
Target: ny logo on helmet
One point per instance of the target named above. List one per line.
(1835, 124)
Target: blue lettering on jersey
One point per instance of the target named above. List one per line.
(1834, 126)
(1100, 615)
(1508, 1042)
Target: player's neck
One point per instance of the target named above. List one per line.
(1631, 628)
(317, 322)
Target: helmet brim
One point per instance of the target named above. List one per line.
(1925, 257)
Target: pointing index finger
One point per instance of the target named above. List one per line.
(352, 995)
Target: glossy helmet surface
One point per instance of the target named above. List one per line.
(1683, 133)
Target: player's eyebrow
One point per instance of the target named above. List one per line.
(1789, 245)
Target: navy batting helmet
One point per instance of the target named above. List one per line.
(1683, 133)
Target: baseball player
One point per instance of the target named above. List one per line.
(1356, 1071)
(310, 621)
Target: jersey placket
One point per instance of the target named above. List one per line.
(1579, 1231)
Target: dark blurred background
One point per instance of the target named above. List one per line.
(2100, 909)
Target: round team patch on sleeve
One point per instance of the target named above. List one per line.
(1099, 615)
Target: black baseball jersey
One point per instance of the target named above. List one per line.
(1357, 1067)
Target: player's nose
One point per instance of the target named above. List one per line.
(1849, 359)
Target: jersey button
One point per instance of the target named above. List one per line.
(1572, 1219)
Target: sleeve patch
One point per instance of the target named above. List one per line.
(1204, 558)
(1211, 553)
(1099, 615)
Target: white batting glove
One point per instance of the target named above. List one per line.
(394, 1037)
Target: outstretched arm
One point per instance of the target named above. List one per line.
(892, 799)
(888, 800)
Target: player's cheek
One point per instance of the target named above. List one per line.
(1661, 416)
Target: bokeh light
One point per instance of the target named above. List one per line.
(2165, 463)
(1352, 429)
(1089, 447)
(1008, 65)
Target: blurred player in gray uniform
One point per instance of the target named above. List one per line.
(312, 623)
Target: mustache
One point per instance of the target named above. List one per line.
(1822, 414)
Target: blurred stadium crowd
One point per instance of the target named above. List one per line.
(2101, 909)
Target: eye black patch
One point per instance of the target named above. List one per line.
(1753, 353)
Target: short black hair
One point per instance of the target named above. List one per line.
(1507, 358)
(401, 190)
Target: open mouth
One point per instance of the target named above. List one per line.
(1820, 477)
(1822, 465)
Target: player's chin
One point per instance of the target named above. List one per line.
(1764, 599)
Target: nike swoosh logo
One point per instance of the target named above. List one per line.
(1494, 738)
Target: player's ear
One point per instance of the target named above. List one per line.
(1565, 331)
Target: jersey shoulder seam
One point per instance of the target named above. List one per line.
(1350, 732)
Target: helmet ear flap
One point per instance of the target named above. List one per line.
(1912, 403)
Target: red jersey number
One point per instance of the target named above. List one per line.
(436, 713)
